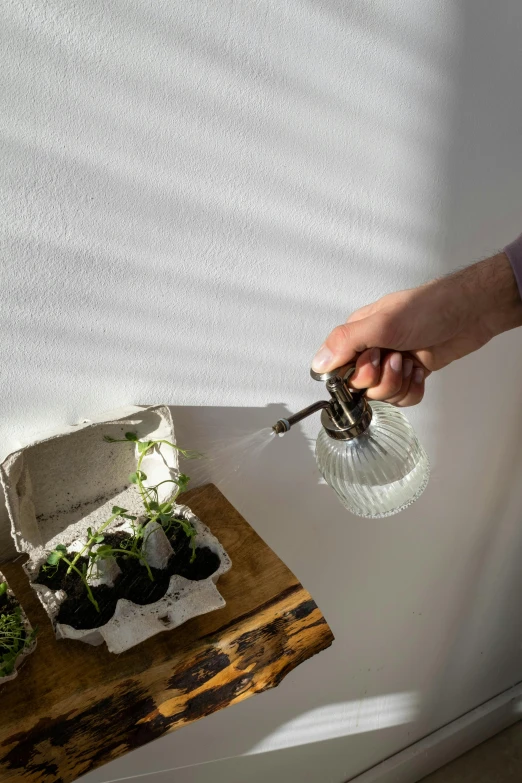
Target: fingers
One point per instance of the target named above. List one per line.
(396, 379)
(367, 370)
(390, 383)
(390, 376)
(415, 391)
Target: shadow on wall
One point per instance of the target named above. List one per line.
(480, 650)
(220, 153)
(179, 143)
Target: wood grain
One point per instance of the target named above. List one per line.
(75, 707)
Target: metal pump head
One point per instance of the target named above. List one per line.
(344, 416)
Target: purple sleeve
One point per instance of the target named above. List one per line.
(514, 253)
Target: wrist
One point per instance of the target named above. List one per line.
(495, 294)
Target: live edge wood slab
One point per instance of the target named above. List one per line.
(74, 707)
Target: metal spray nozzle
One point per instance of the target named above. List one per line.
(344, 416)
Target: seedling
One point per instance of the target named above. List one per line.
(102, 552)
(156, 510)
(53, 562)
(95, 550)
(131, 547)
(13, 637)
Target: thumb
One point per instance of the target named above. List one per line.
(347, 340)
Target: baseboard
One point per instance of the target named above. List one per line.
(449, 742)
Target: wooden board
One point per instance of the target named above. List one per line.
(74, 707)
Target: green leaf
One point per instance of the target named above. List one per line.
(7, 669)
(166, 508)
(98, 539)
(154, 506)
(131, 436)
(188, 528)
(3, 588)
(145, 445)
(61, 548)
(54, 558)
(89, 532)
(129, 516)
(104, 551)
(182, 481)
(139, 475)
(118, 510)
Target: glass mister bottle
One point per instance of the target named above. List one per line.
(366, 451)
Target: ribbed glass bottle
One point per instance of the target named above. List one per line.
(380, 472)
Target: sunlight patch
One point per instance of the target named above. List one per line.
(342, 719)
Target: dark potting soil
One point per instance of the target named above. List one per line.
(56, 577)
(8, 604)
(77, 609)
(204, 565)
(136, 585)
(133, 583)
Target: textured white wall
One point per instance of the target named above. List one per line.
(193, 194)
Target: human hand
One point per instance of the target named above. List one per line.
(402, 338)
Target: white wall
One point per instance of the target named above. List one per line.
(193, 194)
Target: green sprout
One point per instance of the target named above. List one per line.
(156, 511)
(164, 513)
(52, 564)
(13, 637)
(94, 556)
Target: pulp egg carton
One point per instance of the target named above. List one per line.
(58, 487)
(28, 631)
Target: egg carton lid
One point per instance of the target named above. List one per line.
(57, 487)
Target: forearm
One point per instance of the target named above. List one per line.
(482, 298)
(514, 252)
(495, 293)
(433, 325)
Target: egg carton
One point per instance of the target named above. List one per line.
(58, 487)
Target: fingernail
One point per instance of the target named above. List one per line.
(375, 356)
(407, 367)
(418, 375)
(396, 362)
(322, 359)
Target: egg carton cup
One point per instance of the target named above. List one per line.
(60, 486)
(28, 630)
